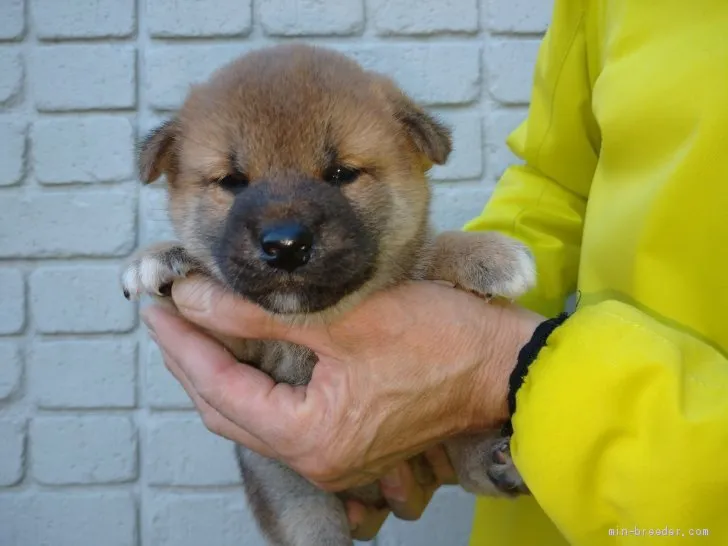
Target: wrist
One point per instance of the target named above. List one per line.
(506, 330)
(526, 357)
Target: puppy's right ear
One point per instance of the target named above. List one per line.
(157, 152)
(431, 137)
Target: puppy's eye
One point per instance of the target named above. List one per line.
(338, 175)
(234, 182)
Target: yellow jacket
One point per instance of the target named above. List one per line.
(622, 423)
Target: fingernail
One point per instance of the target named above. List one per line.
(148, 323)
(353, 513)
(393, 478)
(392, 482)
(144, 314)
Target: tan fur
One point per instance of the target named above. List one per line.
(279, 119)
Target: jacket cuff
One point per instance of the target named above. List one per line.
(526, 356)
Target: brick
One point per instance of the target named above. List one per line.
(65, 224)
(312, 18)
(163, 391)
(148, 123)
(524, 16)
(83, 19)
(455, 204)
(413, 17)
(12, 152)
(11, 369)
(68, 518)
(84, 77)
(501, 123)
(466, 159)
(74, 300)
(449, 505)
(83, 374)
(222, 519)
(11, 68)
(172, 18)
(12, 452)
(181, 451)
(84, 149)
(83, 450)
(170, 70)
(431, 74)
(510, 69)
(12, 301)
(155, 223)
(12, 19)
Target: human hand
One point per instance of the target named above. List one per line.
(406, 498)
(403, 371)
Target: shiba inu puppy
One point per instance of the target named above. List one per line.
(299, 180)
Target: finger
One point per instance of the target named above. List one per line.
(213, 419)
(209, 305)
(364, 521)
(441, 465)
(373, 472)
(241, 393)
(407, 498)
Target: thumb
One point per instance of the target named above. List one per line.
(211, 306)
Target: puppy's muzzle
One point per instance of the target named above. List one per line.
(286, 245)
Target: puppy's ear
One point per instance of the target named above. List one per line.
(157, 152)
(430, 136)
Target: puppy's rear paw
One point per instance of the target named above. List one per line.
(483, 465)
(153, 271)
(501, 470)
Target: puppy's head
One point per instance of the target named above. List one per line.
(298, 177)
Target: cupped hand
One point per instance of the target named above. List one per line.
(396, 376)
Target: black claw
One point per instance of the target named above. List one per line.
(126, 293)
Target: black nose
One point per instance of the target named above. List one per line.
(286, 246)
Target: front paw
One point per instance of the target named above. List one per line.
(505, 268)
(152, 271)
(486, 263)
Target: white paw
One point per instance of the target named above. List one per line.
(520, 275)
(153, 273)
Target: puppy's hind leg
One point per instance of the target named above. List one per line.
(289, 510)
(484, 466)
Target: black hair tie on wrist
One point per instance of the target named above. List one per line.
(526, 356)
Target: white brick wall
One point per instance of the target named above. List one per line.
(99, 446)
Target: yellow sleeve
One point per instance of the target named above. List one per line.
(621, 428)
(622, 425)
(542, 201)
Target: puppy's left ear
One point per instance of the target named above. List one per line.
(430, 136)
(157, 152)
